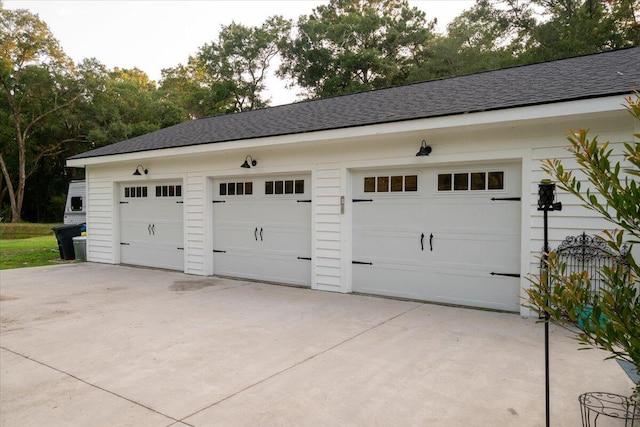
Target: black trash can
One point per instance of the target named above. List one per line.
(64, 236)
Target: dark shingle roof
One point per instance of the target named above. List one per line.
(591, 76)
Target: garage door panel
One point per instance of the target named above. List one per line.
(477, 290)
(388, 245)
(286, 268)
(153, 254)
(294, 239)
(265, 232)
(236, 262)
(390, 280)
(166, 231)
(467, 236)
(478, 249)
(151, 227)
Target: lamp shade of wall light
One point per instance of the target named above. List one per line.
(140, 170)
(425, 149)
(248, 163)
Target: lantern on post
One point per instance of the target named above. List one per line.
(546, 203)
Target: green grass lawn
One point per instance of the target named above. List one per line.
(27, 245)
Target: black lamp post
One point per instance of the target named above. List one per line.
(546, 196)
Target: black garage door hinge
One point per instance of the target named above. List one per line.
(179, 202)
(181, 249)
(507, 199)
(124, 203)
(506, 274)
(304, 201)
(124, 244)
(362, 200)
(304, 258)
(361, 262)
(219, 252)
(218, 201)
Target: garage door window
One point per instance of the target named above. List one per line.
(284, 187)
(135, 191)
(168, 190)
(471, 181)
(390, 184)
(236, 188)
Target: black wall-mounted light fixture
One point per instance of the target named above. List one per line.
(246, 163)
(140, 170)
(425, 149)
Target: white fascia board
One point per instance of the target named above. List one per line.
(485, 118)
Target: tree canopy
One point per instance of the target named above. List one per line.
(350, 46)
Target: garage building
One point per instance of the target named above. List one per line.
(330, 194)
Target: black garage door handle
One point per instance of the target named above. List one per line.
(255, 233)
(422, 241)
(261, 234)
(431, 242)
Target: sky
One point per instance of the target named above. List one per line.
(156, 34)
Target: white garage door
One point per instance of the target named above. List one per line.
(151, 225)
(262, 229)
(448, 235)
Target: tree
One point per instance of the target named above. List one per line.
(228, 75)
(613, 324)
(484, 37)
(37, 82)
(349, 46)
(578, 27)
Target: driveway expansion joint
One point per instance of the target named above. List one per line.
(88, 383)
(313, 356)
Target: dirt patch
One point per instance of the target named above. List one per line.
(194, 285)
(7, 298)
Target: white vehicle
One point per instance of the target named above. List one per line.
(75, 209)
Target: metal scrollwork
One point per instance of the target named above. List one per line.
(584, 253)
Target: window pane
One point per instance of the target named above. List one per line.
(239, 188)
(396, 183)
(138, 191)
(178, 190)
(300, 186)
(496, 180)
(268, 187)
(223, 189)
(126, 191)
(383, 184)
(231, 188)
(478, 180)
(76, 203)
(370, 184)
(444, 182)
(248, 188)
(172, 190)
(144, 191)
(288, 187)
(461, 181)
(165, 191)
(279, 187)
(411, 183)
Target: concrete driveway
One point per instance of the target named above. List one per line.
(98, 345)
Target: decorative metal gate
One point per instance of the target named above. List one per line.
(584, 253)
